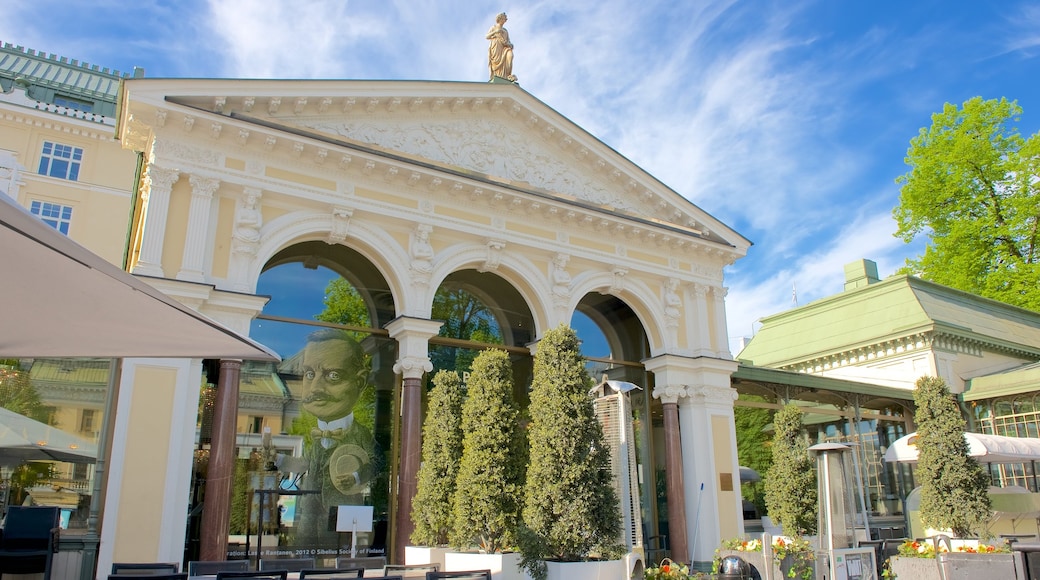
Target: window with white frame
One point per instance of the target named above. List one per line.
(53, 214)
(61, 161)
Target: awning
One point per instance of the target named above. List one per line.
(61, 300)
(984, 448)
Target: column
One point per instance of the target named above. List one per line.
(412, 336)
(707, 438)
(669, 394)
(718, 294)
(216, 515)
(194, 256)
(700, 325)
(160, 186)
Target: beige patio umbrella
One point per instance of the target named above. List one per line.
(61, 300)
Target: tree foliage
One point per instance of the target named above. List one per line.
(491, 473)
(18, 394)
(441, 453)
(753, 444)
(791, 484)
(973, 190)
(954, 487)
(571, 509)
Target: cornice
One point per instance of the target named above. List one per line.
(41, 119)
(938, 340)
(366, 167)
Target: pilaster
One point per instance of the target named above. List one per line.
(194, 256)
(699, 322)
(160, 182)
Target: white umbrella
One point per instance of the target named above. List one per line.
(984, 448)
(61, 300)
(25, 439)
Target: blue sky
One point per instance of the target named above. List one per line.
(787, 120)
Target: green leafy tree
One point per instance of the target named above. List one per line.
(791, 483)
(571, 509)
(491, 473)
(18, 394)
(954, 487)
(344, 305)
(753, 445)
(441, 453)
(972, 189)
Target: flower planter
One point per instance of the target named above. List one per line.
(425, 555)
(963, 566)
(915, 568)
(599, 570)
(503, 566)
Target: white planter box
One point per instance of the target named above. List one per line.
(425, 555)
(914, 568)
(603, 570)
(502, 566)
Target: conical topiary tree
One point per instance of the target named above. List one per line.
(570, 507)
(791, 481)
(954, 487)
(432, 508)
(491, 474)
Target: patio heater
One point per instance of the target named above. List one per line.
(614, 413)
(836, 556)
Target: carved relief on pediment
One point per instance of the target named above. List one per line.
(485, 147)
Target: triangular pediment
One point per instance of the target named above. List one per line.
(496, 132)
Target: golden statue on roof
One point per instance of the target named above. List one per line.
(500, 51)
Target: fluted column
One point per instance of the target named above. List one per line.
(412, 336)
(718, 295)
(701, 323)
(216, 513)
(194, 256)
(160, 185)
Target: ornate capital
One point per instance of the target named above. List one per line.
(708, 394)
(161, 178)
(669, 393)
(203, 186)
(413, 367)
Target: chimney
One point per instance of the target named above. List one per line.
(860, 273)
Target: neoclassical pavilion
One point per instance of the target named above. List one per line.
(255, 195)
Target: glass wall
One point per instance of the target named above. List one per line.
(51, 415)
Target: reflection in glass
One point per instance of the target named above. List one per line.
(50, 420)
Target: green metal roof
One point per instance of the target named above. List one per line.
(1024, 379)
(753, 374)
(60, 73)
(893, 308)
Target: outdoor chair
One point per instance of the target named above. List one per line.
(287, 564)
(144, 568)
(148, 576)
(211, 567)
(332, 573)
(250, 575)
(368, 562)
(29, 540)
(411, 570)
(460, 575)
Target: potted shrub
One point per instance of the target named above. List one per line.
(432, 508)
(954, 487)
(488, 489)
(571, 512)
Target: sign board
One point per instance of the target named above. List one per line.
(354, 518)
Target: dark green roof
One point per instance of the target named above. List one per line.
(1024, 379)
(894, 308)
(47, 76)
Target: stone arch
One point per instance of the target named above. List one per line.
(635, 293)
(375, 244)
(530, 282)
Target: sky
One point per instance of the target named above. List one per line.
(787, 120)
